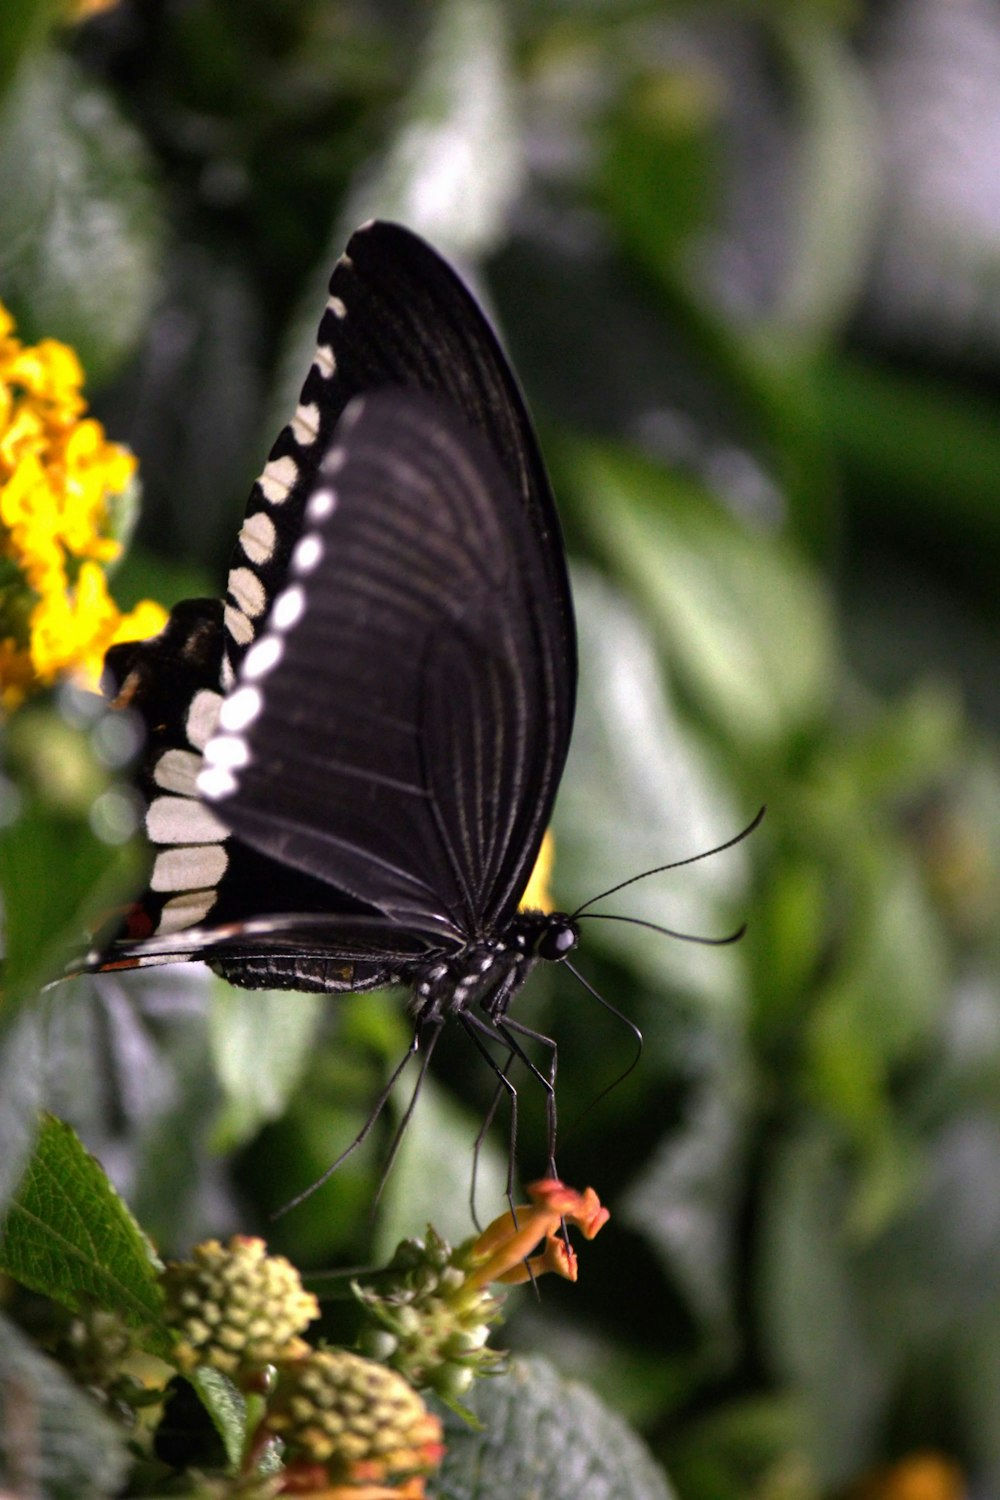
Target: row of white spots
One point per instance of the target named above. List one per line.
(258, 536)
(228, 751)
(192, 857)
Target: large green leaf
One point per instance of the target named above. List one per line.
(543, 1435)
(455, 162)
(642, 789)
(261, 1044)
(68, 1235)
(743, 622)
(55, 1441)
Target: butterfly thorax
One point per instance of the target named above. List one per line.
(490, 971)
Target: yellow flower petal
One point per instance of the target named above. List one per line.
(537, 896)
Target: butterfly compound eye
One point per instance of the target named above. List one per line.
(558, 940)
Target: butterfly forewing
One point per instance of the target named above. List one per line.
(400, 726)
(397, 315)
(398, 793)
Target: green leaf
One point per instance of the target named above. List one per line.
(815, 1327)
(21, 1079)
(641, 789)
(743, 622)
(24, 26)
(79, 229)
(68, 1235)
(261, 1044)
(836, 193)
(432, 1174)
(687, 1199)
(926, 452)
(455, 162)
(542, 1435)
(55, 1441)
(227, 1409)
(58, 854)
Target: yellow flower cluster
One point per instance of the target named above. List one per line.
(59, 479)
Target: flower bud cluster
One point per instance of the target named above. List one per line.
(363, 1422)
(426, 1320)
(236, 1308)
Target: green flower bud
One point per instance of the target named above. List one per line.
(236, 1308)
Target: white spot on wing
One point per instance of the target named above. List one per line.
(241, 709)
(305, 425)
(203, 715)
(334, 461)
(278, 477)
(307, 554)
(182, 820)
(216, 782)
(325, 360)
(189, 869)
(336, 304)
(227, 674)
(288, 608)
(263, 656)
(322, 504)
(248, 591)
(238, 625)
(258, 536)
(227, 750)
(186, 910)
(175, 771)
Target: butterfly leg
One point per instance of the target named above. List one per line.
(476, 1029)
(432, 1026)
(481, 1137)
(366, 1128)
(547, 1079)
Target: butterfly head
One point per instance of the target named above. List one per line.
(558, 939)
(549, 935)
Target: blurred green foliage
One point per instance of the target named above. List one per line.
(745, 258)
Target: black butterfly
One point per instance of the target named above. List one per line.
(351, 764)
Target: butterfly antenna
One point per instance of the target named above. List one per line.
(362, 1134)
(676, 864)
(684, 937)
